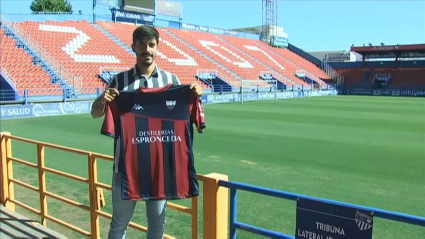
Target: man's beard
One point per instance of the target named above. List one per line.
(144, 60)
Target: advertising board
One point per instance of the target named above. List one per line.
(280, 41)
(317, 219)
(84, 107)
(386, 92)
(45, 109)
(126, 16)
(197, 28)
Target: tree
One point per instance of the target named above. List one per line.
(39, 6)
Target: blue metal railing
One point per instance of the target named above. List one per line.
(234, 224)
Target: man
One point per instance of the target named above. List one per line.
(145, 74)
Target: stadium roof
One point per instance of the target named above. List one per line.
(390, 48)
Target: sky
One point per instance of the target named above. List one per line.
(311, 25)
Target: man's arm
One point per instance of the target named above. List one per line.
(98, 107)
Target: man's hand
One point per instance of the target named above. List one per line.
(108, 96)
(196, 89)
(98, 108)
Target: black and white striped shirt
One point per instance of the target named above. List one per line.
(132, 80)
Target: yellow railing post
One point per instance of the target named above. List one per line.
(42, 184)
(7, 188)
(4, 193)
(94, 200)
(215, 207)
(194, 216)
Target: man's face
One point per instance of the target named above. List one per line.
(146, 51)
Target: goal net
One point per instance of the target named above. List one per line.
(258, 89)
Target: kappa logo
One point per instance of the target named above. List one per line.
(137, 107)
(363, 221)
(170, 104)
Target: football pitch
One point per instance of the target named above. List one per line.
(355, 149)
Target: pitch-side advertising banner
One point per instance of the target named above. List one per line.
(46, 109)
(84, 107)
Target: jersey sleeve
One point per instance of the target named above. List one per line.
(109, 121)
(197, 113)
(113, 82)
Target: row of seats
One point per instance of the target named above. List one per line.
(399, 76)
(22, 71)
(179, 63)
(78, 46)
(82, 50)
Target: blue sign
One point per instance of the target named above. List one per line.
(204, 99)
(328, 221)
(386, 92)
(125, 16)
(62, 108)
(15, 111)
(45, 109)
(213, 30)
(280, 41)
(236, 97)
(220, 98)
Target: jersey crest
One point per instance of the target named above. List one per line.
(170, 104)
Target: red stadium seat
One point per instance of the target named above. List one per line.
(24, 74)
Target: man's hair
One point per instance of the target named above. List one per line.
(145, 33)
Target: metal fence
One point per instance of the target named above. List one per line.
(235, 225)
(210, 202)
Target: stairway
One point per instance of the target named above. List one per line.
(366, 78)
(113, 38)
(204, 55)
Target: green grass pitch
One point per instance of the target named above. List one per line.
(362, 150)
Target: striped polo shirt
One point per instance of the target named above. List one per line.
(132, 80)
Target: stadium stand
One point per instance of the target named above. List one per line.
(178, 60)
(267, 54)
(396, 70)
(249, 48)
(22, 71)
(81, 41)
(208, 45)
(408, 78)
(79, 48)
(355, 76)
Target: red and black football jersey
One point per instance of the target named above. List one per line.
(155, 127)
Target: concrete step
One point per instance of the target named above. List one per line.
(14, 225)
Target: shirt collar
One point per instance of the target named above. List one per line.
(136, 71)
